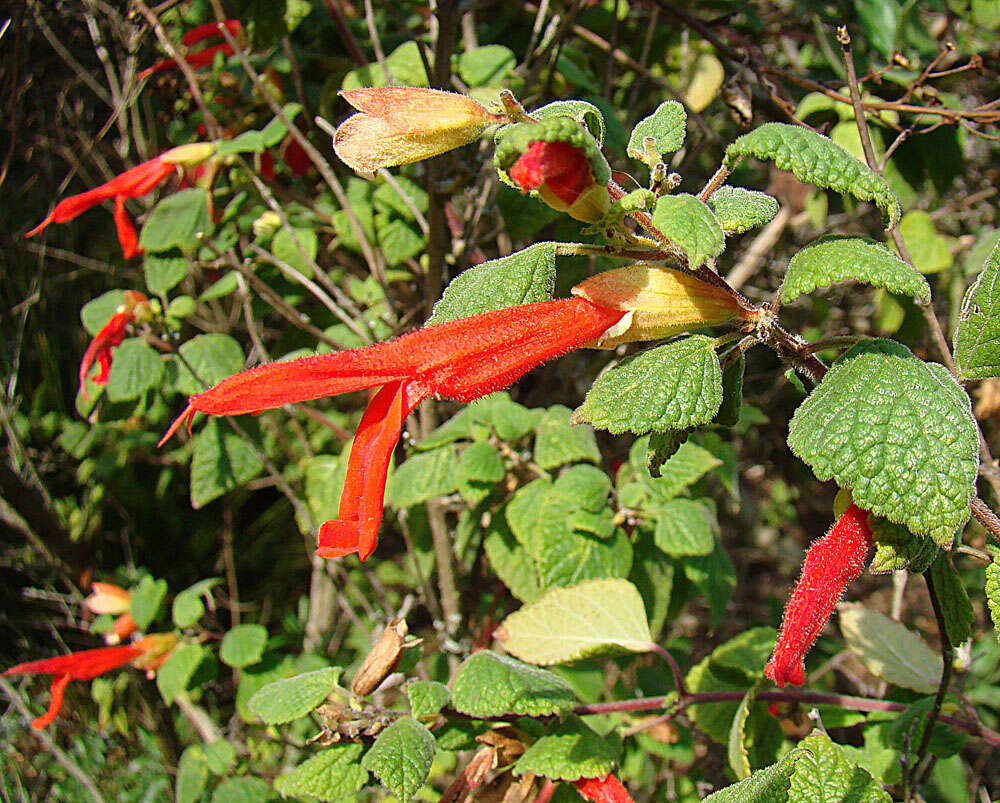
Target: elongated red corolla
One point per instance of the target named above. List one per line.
(603, 790)
(462, 360)
(110, 335)
(559, 166)
(84, 665)
(831, 564)
(205, 56)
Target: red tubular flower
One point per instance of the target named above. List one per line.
(831, 563)
(462, 359)
(564, 179)
(202, 57)
(111, 335)
(140, 180)
(84, 665)
(602, 790)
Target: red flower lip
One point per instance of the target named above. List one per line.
(112, 334)
(461, 359)
(205, 56)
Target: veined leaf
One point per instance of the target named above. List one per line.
(825, 773)
(569, 751)
(691, 226)
(666, 126)
(817, 160)
(490, 685)
(332, 775)
(838, 259)
(977, 339)
(898, 432)
(739, 210)
(401, 757)
(596, 617)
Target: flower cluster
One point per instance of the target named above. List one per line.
(135, 307)
(831, 564)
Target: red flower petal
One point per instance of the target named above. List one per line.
(127, 236)
(84, 665)
(57, 690)
(210, 29)
(831, 563)
(561, 167)
(603, 790)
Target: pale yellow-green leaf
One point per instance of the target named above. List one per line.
(889, 650)
(566, 624)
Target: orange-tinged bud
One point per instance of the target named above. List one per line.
(108, 598)
(660, 302)
(123, 627)
(155, 650)
(399, 125)
(194, 153)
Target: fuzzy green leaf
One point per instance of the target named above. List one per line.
(188, 606)
(147, 597)
(670, 387)
(684, 527)
(490, 685)
(769, 785)
(486, 65)
(889, 650)
(243, 645)
(524, 277)
(401, 757)
(424, 476)
(297, 247)
(98, 311)
(587, 114)
(732, 392)
(335, 774)
(164, 271)
(180, 220)
(739, 759)
(212, 358)
(513, 564)
(993, 592)
(173, 676)
(285, 700)
(838, 259)
(427, 697)
(691, 226)
(192, 775)
(956, 607)
(739, 210)
(596, 617)
(898, 432)
(663, 446)
(977, 339)
(558, 441)
(824, 774)
(667, 126)
(245, 789)
(818, 160)
(221, 460)
(135, 368)
(896, 548)
(569, 751)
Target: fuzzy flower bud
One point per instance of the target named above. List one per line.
(399, 125)
(831, 564)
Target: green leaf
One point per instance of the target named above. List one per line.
(387, 199)
(543, 517)
(817, 160)
(715, 577)
(424, 476)
(173, 676)
(825, 773)
(732, 392)
(180, 220)
(663, 446)
(667, 126)
(977, 339)
(587, 114)
(889, 650)
(898, 432)
(324, 483)
(486, 65)
(401, 757)
(147, 597)
(98, 311)
(956, 607)
(743, 656)
(192, 775)
(136, 368)
(768, 785)
(490, 685)
(691, 226)
(222, 287)
(163, 272)
(914, 553)
(181, 307)
(212, 358)
(570, 750)
(332, 775)
(930, 251)
(670, 387)
(243, 645)
(397, 241)
(739, 210)
(685, 527)
(480, 461)
(739, 759)
(291, 698)
(685, 467)
(525, 277)
(188, 606)
(596, 617)
(220, 756)
(558, 441)
(993, 592)
(242, 790)
(285, 249)
(513, 564)
(427, 697)
(276, 130)
(838, 259)
(220, 461)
